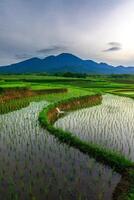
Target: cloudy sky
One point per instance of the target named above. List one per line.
(102, 30)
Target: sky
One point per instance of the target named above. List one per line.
(101, 30)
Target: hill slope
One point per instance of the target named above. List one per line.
(64, 62)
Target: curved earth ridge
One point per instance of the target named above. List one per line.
(33, 161)
(125, 189)
(110, 124)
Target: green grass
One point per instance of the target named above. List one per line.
(17, 104)
(34, 80)
(124, 92)
(116, 161)
(77, 87)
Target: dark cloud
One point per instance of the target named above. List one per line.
(112, 49)
(40, 52)
(30, 28)
(52, 49)
(22, 56)
(114, 46)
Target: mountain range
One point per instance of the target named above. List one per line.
(64, 62)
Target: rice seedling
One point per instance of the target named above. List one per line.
(16, 104)
(109, 124)
(40, 166)
(118, 162)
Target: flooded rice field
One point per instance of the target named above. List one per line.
(110, 124)
(34, 165)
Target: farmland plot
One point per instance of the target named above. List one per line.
(34, 165)
(110, 124)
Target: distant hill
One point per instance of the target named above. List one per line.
(64, 62)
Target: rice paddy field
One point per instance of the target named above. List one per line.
(34, 165)
(110, 124)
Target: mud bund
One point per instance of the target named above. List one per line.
(125, 189)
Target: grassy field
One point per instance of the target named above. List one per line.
(90, 83)
(76, 87)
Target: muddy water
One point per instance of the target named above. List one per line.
(34, 165)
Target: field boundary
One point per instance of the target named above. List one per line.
(18, 93)
(15, 99)
(118, 93)
(125, 188)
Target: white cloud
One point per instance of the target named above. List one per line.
(83, 26)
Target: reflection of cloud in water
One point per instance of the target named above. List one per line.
(36, 163)
(110, 124)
